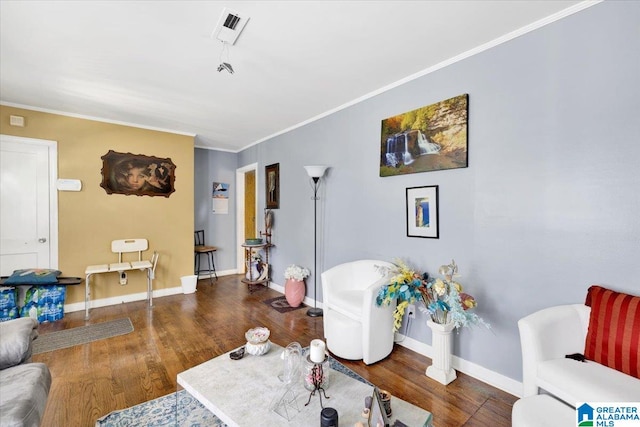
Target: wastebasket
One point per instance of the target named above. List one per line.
(189, 284)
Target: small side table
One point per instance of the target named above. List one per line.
(251, 280)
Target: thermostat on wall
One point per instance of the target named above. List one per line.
(69, 185)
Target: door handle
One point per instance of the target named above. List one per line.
(42, 240)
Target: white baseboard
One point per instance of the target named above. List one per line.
(476, 371)
(120, 299)
(277, 288)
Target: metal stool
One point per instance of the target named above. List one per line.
(200, 248)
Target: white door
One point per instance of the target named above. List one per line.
(26, 199)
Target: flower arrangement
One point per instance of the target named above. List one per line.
(296, 272)
(442, 299)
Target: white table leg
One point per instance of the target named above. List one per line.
(150, 286)
(87, 292)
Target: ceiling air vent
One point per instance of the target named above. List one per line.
(229, 26)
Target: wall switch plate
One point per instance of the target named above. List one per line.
(16, 121)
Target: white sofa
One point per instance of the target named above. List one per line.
(354, 327)
(546, 337)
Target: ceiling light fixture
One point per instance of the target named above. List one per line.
(225, 66)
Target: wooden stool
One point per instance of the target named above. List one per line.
(200, 248)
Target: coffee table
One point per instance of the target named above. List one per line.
(243, 393)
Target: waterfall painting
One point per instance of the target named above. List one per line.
(428, 139)
(422, 212)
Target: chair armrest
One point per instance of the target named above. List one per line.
(377, 324)
(548, 334)
(329, 280)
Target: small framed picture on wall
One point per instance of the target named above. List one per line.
(272, 184)
(422, 212)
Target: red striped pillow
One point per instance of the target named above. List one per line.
(613, 338)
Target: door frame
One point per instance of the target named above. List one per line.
(52, 148)
(240, 211)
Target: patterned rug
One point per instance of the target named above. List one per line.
(81, 335)
(161, 412)
(281, 304)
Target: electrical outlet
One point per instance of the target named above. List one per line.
(411, 311)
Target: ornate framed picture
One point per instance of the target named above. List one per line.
(422, 212)
(272, 185)
(137, 174)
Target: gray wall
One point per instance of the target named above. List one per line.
(220, 229)
(548, 205)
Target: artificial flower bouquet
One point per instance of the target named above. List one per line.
(442, 299)
(295, 272)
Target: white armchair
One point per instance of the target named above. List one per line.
(354, 327)
(546, 337)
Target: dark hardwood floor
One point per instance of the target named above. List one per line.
(182, 331)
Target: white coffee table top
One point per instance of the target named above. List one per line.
(242, 393)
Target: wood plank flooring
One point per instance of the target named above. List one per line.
(182, 331)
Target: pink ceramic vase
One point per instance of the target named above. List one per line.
(294, 291)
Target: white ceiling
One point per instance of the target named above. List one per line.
(153, 63)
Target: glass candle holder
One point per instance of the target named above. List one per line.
(316, 375)
(292, 358)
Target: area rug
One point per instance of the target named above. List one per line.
(161, 412)
(81, 335)
(281, 305)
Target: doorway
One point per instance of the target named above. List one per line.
(28, 204)
(250, 228)
(246, 185)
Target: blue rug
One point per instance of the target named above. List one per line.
(161, 412)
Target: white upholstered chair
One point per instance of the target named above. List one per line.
(354, 327)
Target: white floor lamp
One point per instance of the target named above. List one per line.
(315, 172)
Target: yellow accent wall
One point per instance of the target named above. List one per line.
(90, 219)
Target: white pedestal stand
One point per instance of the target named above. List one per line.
(441, 344)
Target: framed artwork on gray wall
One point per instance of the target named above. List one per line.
(272, 184)
(422, 212)
(137, 174)
(428, 139)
